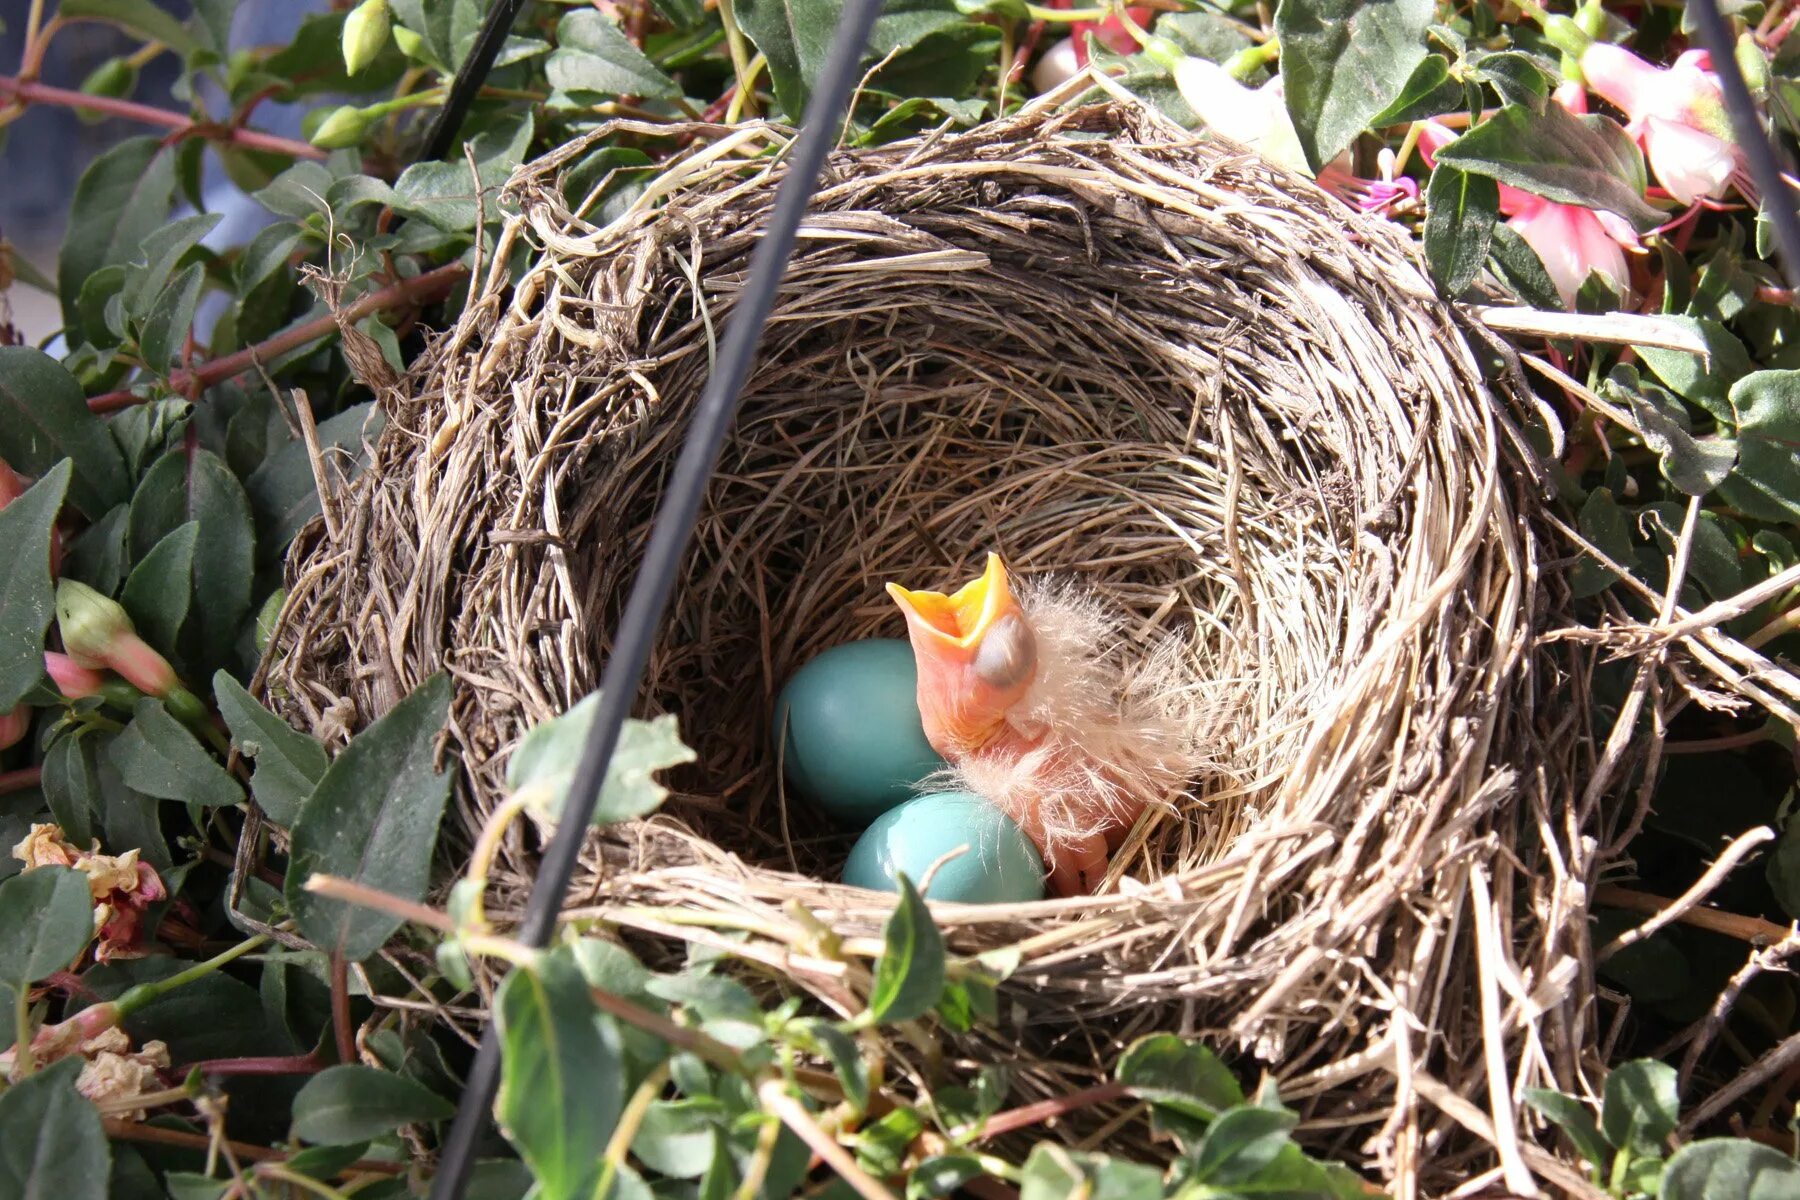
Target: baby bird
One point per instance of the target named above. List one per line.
(1037, 705)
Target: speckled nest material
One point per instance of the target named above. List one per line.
(1109, 349)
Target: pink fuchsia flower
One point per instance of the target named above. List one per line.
(1371, 195)
(122, 887)
(73, 680)
(1572, 242)
(1677, 114)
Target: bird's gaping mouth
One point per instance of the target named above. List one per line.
(959, 619)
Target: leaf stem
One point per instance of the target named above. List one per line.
(26, 1061)
(487, 845)
(773, 1093)
(26, 92)
(740, 57)
(340, 1007)
(144, 994)
(692, 1040)
(421, 289)
(275, 1170)
(1066, 16)
(626, 1130)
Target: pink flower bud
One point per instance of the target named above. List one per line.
(1677, 114)
(73, 680)
(1575, 242)
(1057, 66)
(97, 633)
(11, 486)
(142, 667)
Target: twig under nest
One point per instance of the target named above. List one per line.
(1107, 349)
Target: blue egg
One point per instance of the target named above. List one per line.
(854, 744)
(1001, 865)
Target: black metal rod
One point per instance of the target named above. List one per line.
(669, 536)
(469, 78)
(1758, 146)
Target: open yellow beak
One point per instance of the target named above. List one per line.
(958, 620)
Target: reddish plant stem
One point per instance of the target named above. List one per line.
(1753, 930)
(340, 1008)
(1045, 1110)
(133, 1131)
(28, 92)
(272, 1064)
(18, 781)
(421, 289)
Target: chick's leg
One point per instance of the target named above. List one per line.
(1076, 865)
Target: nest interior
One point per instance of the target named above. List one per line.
(1110, 350)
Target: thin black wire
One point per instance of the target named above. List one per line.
(669, 537)
(1758, 146)
(469, 78)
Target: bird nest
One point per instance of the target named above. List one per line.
(1194, 385)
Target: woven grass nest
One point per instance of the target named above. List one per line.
(1112, 350)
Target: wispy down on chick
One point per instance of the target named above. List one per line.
(1039, 704)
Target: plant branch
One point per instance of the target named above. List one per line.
(793, 1114)
(421, 289)
(136, 998)
(1028, 1115)
(692, 1040)
(272, 1064)
(18, 781)
(25, 92)
(1753, 930)
(340, 1008)
(135, 1131)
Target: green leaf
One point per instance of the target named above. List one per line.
(288, 763)
(1729, 1169)
(942, 1174)
(1766, 481)
(443, 193)
(1522, 269)
(1054, 1173)
(1429, 91)
(159, 588)
(561, 1083)
(1241, 1144)
(47, 914)
(143, 17)
(1185, 1083)
(795, 37)
(148, 274)
(1693, 465)
(1602, 522)
(1573, 1118)
(43, 420)
(267, 254)
(180, 488)
(121, 200)
(1515, 76)
(373, 818)
(1640, 1106)
(841, 1051)
(594, 55)
(909, 976)
(1706, 381)
(71, 784)
(162, 758)
(171, 317)
(1559, 156)
(351, 1103)
(1713, 555)
(547, 756)
(27, 599)
(283, 492)
(1209, 35)
(1343, 62)
(298, 193)
(1461, 210)
(949, 62)
(52, 1145)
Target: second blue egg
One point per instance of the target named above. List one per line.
(854, 744)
